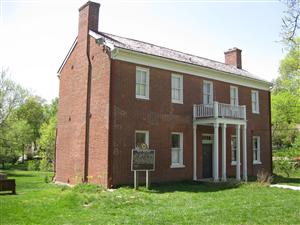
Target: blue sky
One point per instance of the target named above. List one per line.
(36, 35)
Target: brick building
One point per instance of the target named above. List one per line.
(205, 119)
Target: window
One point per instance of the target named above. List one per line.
(233, 150)
(255, 101)
(234, 96)
(177, 88)
(142, 83)
(256, 150)
(207, 92)
(177, 150)
(141, 137)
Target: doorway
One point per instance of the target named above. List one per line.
(207, 141)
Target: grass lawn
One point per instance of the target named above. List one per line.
(38, 202)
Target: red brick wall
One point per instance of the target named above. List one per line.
(71, 125)
(161, 117)
(83, 114)
(99, 119)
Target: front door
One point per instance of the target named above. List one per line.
(207, 160)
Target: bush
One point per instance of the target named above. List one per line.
(283, 166)
(33, 165)
(45, 165)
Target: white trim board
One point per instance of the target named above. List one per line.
(184, 68)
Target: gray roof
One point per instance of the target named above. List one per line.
(151, 49)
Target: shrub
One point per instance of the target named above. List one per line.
(33, 165)
(45, 165)
(283, 166)
(264, 177)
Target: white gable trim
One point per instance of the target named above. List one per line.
(184, 68)
(67, 57)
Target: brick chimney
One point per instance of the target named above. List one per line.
(88, 19)
(234, 57)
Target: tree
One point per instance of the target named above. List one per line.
(32, 111)
(48, 135)
(12, 96)
(286, 99)
(290, 21)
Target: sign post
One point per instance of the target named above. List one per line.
(142, 160)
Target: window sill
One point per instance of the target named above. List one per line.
(177, 102)
(177, 166)
(233, 163)
(142, 97)
(255, 112)
(256, 163)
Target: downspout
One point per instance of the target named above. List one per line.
(110, 144)
(270, 131)
(88, 115)
(54, 166)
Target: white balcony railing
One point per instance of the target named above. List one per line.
(219, 110)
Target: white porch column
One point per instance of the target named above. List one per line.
(216, 153)
(245, 175)
(224, 152)
(194, 152)
(238, 152)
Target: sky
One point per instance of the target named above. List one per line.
(35, 35)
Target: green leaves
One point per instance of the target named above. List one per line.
(285, 106)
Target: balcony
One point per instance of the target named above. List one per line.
(219, 110)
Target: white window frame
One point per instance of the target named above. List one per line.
(233, 162)
(180, 164)
(258, 160)
(211, 92)
(234, 100)
(143, 132)
(255, 102)
(146, 85)
(180, 100)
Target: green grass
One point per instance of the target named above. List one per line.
(38, 202)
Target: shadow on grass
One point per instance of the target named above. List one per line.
(12, 173)
(189, 186)
(282, 179)
(6, 193)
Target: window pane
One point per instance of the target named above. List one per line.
(175, 156)
(137, 89)
(144, 77)
(140, 138)
(233, 148)
(255, 155)
(175, 141)
(142, 90)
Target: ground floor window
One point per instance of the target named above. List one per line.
(141, 138)
(233, 150)
(256, 149)
(177, 149)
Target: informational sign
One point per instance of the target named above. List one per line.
(143, 160)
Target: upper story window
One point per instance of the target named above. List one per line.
(255, 101)
(234, 95)
(256, 150)
(177, 88)
(142, 83)
(141, 137)
(233, 150)
(207, 92)
(177, 149)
